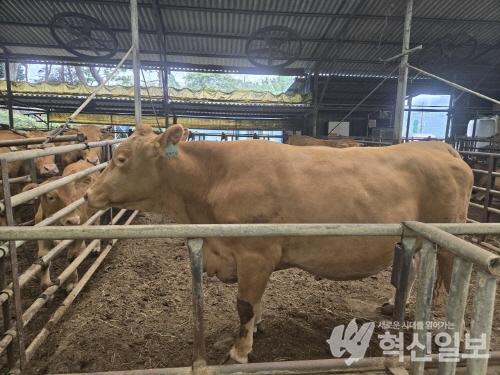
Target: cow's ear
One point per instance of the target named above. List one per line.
(167, 142)
(30, 186)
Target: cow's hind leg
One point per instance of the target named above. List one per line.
(253, 275)
(73, 253)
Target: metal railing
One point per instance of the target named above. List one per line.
(490, 160)
(435, 238)
(12, 292)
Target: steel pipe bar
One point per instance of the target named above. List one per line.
(33, 270)
(30, 154)
(455, 309)
(50, 220)
(91, 96)
(200, 231)
(17, 180)
(232, 230)
(454, 85)
(482, 321)
(407, 52)
(287, 367)
(26, 196)
(38, 140)
(59, 313)
(426, 275)
(482, 258)
(402, 288)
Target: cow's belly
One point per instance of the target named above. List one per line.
(218, 261)
(345, 258)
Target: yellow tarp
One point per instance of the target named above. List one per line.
(190, 122)
(127, 92)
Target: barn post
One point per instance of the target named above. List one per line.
(136, 65)
(316, 105)
(14, 270)
(196, 257)
(9, 93)
(403, 75)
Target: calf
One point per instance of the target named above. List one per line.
(55, 200)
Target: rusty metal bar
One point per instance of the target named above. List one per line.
(239, 230)
(59, 313)
(482, 321)
(407, 251)
(195, 255)
(17, 180)
(38, 140)
(14, 267)
(50, 220)
(426, 276)
(455, 309)
(26, 196)
(489, 186)
(30, 154)
(454, 85)
(287, 367)
(91, 96)
(33, 270)
(5, 309)
(482, 258)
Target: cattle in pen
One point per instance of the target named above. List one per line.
(267, 182)
(55, 200)
(92, 155)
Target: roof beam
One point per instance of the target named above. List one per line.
(125, 3)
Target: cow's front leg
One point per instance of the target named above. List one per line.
(253, 275)
(43, 249)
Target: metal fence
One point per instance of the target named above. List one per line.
(13, 331)
(435, 238)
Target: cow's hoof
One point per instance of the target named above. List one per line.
(69, 287)
(236, 357)
(387, 309)
(258, 329)
(97, 250)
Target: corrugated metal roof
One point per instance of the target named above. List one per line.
(350, 35)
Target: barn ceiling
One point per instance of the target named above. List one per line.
(336, 36)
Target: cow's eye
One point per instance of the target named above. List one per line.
(51, 198)
(120, 160)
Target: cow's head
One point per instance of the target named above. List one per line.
(131, 179)
(92, 155)
(45, 165)
(61, 197)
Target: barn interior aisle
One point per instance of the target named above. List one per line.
(136, 313)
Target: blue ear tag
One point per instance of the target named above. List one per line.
(171, 150)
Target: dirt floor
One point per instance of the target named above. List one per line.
(136, 313)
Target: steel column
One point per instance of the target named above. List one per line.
(408, 119)
(136, 66)
(403, 75)
(9, 93)
(426, 276)
(482, 321)
(457, 300)
(14, 267)
(196, 257)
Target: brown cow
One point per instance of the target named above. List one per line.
(304, 140)
(93, 155)
(55, 200)
(268, 182)
(45, 165)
